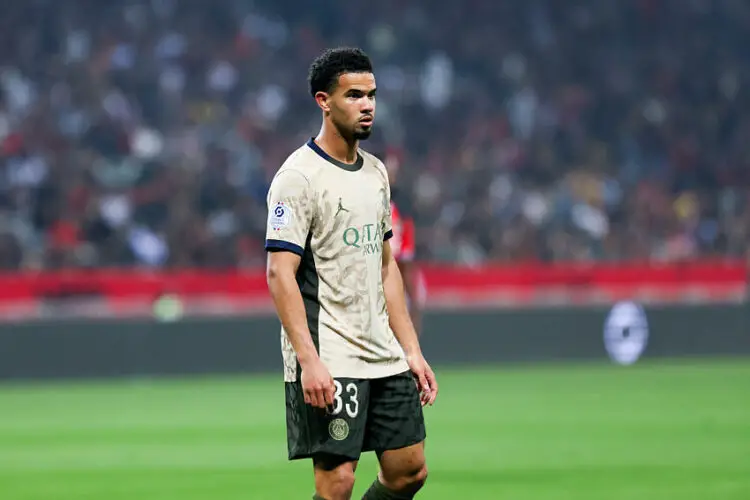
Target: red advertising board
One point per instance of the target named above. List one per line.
(135, 292)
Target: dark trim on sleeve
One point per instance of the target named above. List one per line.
(281, 245)
(388, 235)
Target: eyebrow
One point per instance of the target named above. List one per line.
(360, 91)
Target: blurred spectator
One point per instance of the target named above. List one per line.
(144, 133)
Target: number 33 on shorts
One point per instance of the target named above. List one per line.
(345, 400)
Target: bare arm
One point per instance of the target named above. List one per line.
(403, 329)
(280, 274)
(400, 320)
(281, 270)
(409, 276)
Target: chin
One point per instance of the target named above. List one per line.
(362, 134)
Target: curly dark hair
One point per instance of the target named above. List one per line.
(326, 68)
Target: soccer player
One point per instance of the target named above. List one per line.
(355, 376)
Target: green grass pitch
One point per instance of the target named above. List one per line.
(667, 430)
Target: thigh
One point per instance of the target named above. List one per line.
(334, 476)
(395, 419)
(337, 431)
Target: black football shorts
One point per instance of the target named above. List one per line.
(367, 415)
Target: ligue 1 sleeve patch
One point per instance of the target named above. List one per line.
(280, 216)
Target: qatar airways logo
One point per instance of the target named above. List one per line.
(367, 238)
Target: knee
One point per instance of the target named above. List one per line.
(417, 480)
(410, 481)
(337, 484)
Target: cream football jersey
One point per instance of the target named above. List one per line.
(336, 217)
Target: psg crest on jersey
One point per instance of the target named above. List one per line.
(279, 216)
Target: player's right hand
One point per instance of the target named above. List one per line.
(317, 385)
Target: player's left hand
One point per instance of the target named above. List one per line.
(425, 378)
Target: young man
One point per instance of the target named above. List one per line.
(351, 354)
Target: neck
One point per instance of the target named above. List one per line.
(332, 142)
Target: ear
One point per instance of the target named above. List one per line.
(322, 99)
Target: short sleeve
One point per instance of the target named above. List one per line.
(289, 212)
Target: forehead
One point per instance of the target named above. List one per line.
(359, 81)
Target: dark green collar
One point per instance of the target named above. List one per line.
(351, 167)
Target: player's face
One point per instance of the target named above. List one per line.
(352, 105)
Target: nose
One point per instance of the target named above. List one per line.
(368, 105)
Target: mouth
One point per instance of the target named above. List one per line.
(366, 121)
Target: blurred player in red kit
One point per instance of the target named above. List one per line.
(403, 242)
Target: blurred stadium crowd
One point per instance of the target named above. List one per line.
(143, 133)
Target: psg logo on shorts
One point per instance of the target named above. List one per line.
(280, 216)
(338, 429)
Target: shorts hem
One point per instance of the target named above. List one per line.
(307, 456)
(399, 446)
